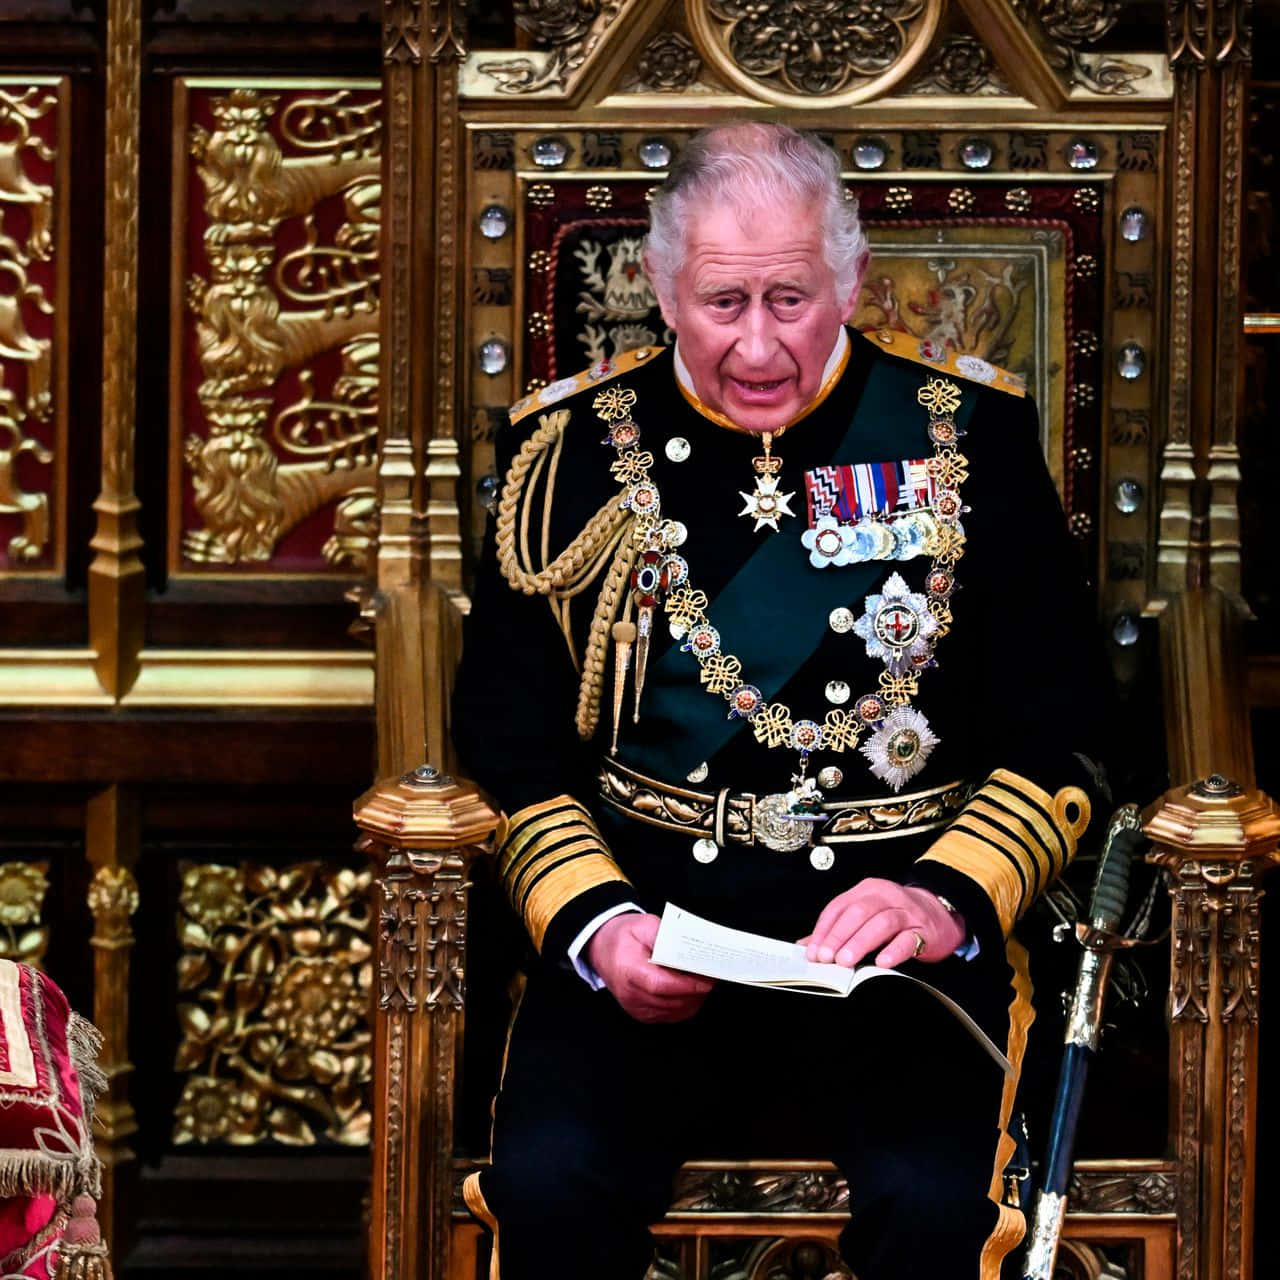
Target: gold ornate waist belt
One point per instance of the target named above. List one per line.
(736, 817)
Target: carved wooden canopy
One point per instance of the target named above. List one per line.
(810, 54)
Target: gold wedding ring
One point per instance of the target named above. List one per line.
(919, 937)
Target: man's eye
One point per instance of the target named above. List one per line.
(787, 300)
(724, 304)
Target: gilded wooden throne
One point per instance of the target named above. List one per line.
(1043, 186)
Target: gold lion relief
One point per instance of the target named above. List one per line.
(285, 325)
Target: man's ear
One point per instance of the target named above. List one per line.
(666, 302)
(859, 274)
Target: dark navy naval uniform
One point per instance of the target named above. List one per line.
(596, 1111)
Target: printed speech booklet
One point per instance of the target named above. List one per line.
(695, 945)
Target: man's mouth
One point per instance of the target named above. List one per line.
(768, 385)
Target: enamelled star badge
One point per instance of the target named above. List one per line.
(897, 626)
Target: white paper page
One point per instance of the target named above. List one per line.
(688, 942)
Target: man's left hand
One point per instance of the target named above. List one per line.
(889, 918)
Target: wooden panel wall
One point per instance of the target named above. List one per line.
(189, 221)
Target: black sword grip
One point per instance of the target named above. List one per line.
(1111, 888)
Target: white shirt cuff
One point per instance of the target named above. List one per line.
(578, 945)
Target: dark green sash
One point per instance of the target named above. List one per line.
(773, 613)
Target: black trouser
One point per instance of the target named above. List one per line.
(597, 1112)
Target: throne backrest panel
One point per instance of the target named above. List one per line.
(1042, 261)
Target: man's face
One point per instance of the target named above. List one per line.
(755, 309)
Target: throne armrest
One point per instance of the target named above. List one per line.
(423, 831)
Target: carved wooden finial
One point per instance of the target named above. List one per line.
(1214, 818)
(425, 810)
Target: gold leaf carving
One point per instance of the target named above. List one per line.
(26, 358)
(23, 886)
(113, 898)
(1069, 26)
(271, 319)
(335, 126)
(569, 29)
(275, 973)
(355, 524)
(812, 52)
(19, 110)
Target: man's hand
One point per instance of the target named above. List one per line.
(619, 952)
(881, 914)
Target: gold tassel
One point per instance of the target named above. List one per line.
(643, 627)
(624, 636)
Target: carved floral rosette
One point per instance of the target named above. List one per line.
(24, 937)
(33, 321)
(815, 52)
(274, 413)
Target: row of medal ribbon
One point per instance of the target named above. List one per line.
(873, 511)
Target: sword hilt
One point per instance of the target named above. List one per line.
(1111, 885)
(1101, 936)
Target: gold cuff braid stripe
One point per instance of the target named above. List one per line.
(535, 838)
(520, 880)
(1053, 807)
(1015, 850)
(997, 876)
(1007, 815)
(510, 824)
(552, 852)
(1035, 808)
(528, 828)
(1013, 828)
(1011, 836)
(559, 886)
(512, 830)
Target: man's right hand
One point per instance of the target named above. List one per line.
(619, 952)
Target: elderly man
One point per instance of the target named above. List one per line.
(780, 625)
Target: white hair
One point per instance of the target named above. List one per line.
(752, 165)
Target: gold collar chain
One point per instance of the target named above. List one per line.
(900, 737)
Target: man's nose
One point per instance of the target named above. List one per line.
(757, 339)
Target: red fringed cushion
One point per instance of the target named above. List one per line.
(48, 1080)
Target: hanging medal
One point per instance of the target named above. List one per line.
(764, 504)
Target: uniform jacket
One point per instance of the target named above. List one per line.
(1011, 698)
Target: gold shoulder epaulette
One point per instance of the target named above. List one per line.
(936, 355)
(597, 374)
